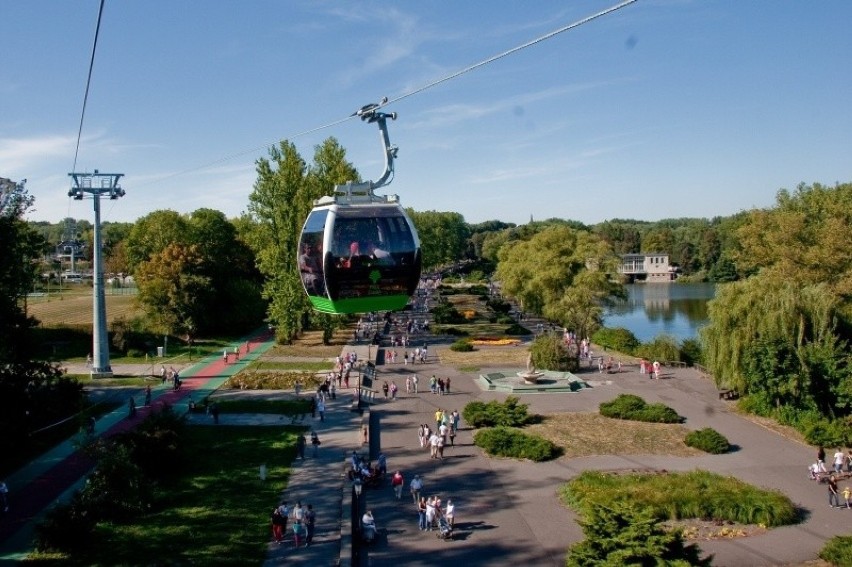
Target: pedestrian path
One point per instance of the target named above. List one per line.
(54, 476)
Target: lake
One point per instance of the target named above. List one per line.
(672, 308)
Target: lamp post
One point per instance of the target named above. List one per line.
(356, 521)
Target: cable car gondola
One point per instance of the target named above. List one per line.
(359, 252)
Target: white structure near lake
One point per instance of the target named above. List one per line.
(649, 267)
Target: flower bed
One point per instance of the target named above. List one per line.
(494, 341)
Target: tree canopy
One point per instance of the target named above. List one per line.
(562, 273)
(283, 196)
(782, 335)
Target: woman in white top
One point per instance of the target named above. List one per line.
(450, 512)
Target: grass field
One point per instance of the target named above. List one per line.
(75, 308)
(215, 513)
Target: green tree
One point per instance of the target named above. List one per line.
(152, 233)
(20, 246)
(283, 196)
(173, 291)
(562, 273)
(804, 238)
(444, 237)
(629, 535)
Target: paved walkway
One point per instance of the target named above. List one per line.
(508, 512)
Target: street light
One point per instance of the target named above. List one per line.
(357, 487)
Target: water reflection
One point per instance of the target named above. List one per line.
(651, 309)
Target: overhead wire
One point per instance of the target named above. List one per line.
(419, 90)
(88, 84)
(86, 95)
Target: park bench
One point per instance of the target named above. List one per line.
(728, 394)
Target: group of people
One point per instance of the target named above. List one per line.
(171, 375)
(446, 426)
(303, 523)
(818, 471)
(432, 515)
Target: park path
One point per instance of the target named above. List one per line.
(508, 511)
(55, 475)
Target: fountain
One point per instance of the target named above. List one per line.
(530, 375)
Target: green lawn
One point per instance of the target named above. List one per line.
(216, 512)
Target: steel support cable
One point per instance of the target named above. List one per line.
(450, 77)
(88, 84)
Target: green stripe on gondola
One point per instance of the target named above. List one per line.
(359, 304)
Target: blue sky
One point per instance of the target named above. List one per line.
(666, 108)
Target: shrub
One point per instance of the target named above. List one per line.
(549, 352)
(66, 527)
(463, 345)
(828, 433)
(708, 440)
(452, 331)
(445, 313)
(510, 413)
(694, 494)
(617, 338)
(515, 329)
(663, 347)
(507, 442)
(499, 305)
(630, 535)
(690, 351)
(628, 406)
(837, 551)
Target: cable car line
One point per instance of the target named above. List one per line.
(88, 84)
(385, 101)
(511, 51)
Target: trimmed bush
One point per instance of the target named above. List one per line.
(463, 345)
(548, 352)
(508, 442)
(444, 313)
(628, 406)
(663, 347)
(510, 413)
(837, 551)
(515, 329)
(672, 496)
(708, 440)
(617, 338)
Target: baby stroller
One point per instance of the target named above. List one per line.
(445, 531)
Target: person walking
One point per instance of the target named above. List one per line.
(148, 395)
(315, 441)
(397, 481)
(416, 485)
(421, 513)
(278, 524)
(4, 496)
(301, 442)
(284, 512)
(839, 458)
(833, 496)
(321, 409)
(450, 513)
(414, 383)
(310, 524)
(131, 407)
(452, 436)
